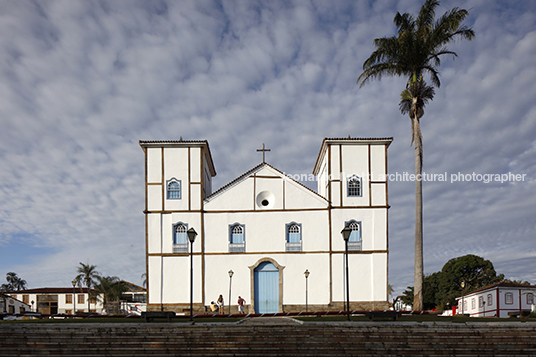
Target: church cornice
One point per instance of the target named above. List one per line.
(271, 253)
(271, 210)
(182, 144)
(347, 141)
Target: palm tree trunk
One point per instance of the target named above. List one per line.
(418, 273)
(88, 297)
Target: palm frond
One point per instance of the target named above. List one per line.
(418, 46)
(425, 20)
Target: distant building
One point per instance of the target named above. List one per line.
(497, 300)
(268, 229)
(58, 300)
(135, 293)
(12, 305)
(135, 299)
(400, 305)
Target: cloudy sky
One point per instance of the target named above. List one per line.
(82, 81)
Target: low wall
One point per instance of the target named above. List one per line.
(335, 306)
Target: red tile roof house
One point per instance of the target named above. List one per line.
(497, 300)
(57, 300)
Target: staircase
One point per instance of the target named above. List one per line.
(268, 339)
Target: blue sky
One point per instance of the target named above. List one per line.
(83, 81)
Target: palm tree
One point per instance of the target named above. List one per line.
(87, 274)
(20, 284)
(11, 277)
(415, 51)
(14, 282)
(144, 277)
(111, 289)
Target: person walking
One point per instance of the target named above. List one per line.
(241, 305)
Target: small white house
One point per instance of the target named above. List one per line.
(259, 234)
(58, 300)
(497, 300)
(12, 305)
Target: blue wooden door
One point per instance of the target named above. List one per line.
(266, 288)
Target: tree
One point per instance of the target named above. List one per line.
(87, 274)
(14, 282)
(441, 288)
(415, 51)
(524, 282)
(407, 296)
(474, 271)
(431, 293)
(390, 290)
(111, 288)
(144, 278)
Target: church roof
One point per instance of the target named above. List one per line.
(236, 180)
(248, 173)
(182, 143)
(347, 141)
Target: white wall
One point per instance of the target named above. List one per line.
(265, 232)
(176, 166)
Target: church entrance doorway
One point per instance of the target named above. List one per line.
(266, 281)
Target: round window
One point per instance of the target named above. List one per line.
(265, 199)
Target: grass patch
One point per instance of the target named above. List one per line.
(232, 320)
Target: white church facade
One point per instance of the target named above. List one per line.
(268, 229)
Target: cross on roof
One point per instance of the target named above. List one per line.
(263, 152)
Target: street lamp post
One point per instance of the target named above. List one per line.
(230, 281)
(463, 293)
(306, 273)
(74, 296)
(346, 235)
(191, 237)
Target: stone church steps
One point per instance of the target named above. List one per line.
(378, 338)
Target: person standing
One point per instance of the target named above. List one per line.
(241, 305)
(220, 304)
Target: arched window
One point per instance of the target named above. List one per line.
(180, 238)
(354, 186)
(508, 298)
(354, 242)
(490, 299)
(237, 238)
(530, 299)
(294, 237)
(174, 189)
